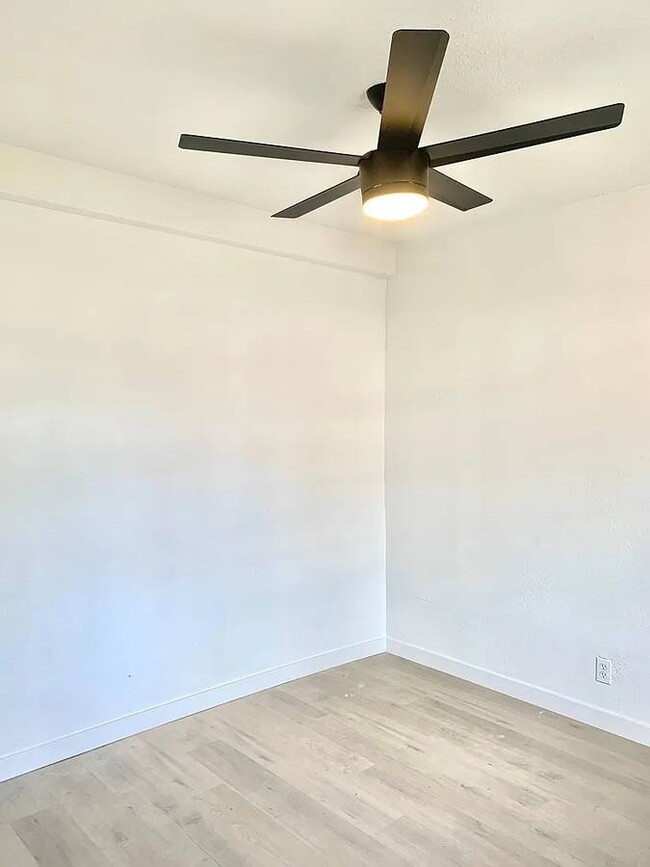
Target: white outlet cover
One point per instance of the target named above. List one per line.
(604, 670)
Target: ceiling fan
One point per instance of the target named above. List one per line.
(398, 177)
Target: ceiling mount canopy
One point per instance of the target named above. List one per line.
(398, 178)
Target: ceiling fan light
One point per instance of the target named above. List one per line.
(395, 206)
(394, 184)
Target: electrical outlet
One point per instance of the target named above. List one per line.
(604, 670)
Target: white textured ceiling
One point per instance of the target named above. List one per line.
(113, 83)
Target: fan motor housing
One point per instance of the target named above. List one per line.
(393, 171)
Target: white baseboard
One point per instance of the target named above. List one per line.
(617, 724)
(40, 755)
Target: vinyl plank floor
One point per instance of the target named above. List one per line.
(380, 762)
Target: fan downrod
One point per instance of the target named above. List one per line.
(375, 95)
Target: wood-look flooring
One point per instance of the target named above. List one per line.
(380, 762)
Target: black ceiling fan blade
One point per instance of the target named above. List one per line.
(526, 135)
(413, 68)
(257, 149)
(451, 192)
(320, 199)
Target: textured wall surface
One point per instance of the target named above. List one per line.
(191, 467)
(518, 449)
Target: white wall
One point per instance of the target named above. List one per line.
(30, 177)
(191, 474)
(191, 455)
(518, 456)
